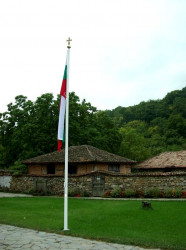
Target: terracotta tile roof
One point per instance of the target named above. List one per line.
(165, 160)
(79, 154)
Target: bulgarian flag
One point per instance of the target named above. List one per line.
(62, 106)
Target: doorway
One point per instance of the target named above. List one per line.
(98, 185)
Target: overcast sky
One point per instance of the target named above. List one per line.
(123, 51)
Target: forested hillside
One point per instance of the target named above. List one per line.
(152, 127)
(28, 129)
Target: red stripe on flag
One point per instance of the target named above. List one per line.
(59, 145)
(63, 88)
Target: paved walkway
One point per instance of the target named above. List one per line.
(2, 194)
(20, 238)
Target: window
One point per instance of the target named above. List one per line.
(51, 168)
(167, 170)
(72, 169)
(114, 167)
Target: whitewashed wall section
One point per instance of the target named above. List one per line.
(5, 181)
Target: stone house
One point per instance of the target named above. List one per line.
(97, 171)
(83, 159)
(164, 163)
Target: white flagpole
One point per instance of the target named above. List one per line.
(66, 142)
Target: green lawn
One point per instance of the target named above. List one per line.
(116, 221)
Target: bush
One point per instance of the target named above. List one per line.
(73, 192)
(147, 193)
(168, 193)
(107, 194)
(177, 193)
(129, 193)
(31, 191)
(162, 194)
(138, 194)
(183, 195)
(122, 194)
(155, 192)
(116, 193)
(19, 168)
(84, 193)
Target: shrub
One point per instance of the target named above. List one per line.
(19, 168)
(168, 193)
(147, 193)
(116, 193)
(73, 192)
(129, 193)
(31, 191)
(177, 193)
(162, 194)
(84, 193)
(155, 192)
(138, 194)
(107, 194)
(122, 194)
(77, 195)
(183, 195)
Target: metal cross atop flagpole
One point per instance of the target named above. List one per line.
(66, 141)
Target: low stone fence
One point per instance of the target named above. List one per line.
(143, 181)
(55, 184)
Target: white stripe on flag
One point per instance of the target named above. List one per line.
(61, 118)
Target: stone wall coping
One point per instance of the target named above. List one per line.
(6, 173)
(106, 173)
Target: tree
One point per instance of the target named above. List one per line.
(107, 136)
(29, 128)
(135, 144)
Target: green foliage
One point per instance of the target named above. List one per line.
(107, 194)
(116, 193)
(84, 193)
(156, 193)
(129, 193)
(134, 145)
(152, 127)
(19, 168)
(152, 193)
(28, 129)
(76, 192)
(168, 193)
(73, 192)
(147, 193)
(177, 193)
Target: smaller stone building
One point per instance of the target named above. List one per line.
(165, 162)
(82, 159)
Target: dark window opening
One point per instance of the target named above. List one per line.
(72, 169)
(114, 167)
(51, 169)
(166, 170)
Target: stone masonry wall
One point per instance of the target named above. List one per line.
(142, 182)
(55, 184)
(47, 184)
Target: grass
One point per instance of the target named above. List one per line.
(122, 222)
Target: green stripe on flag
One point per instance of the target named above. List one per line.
(65, 73)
